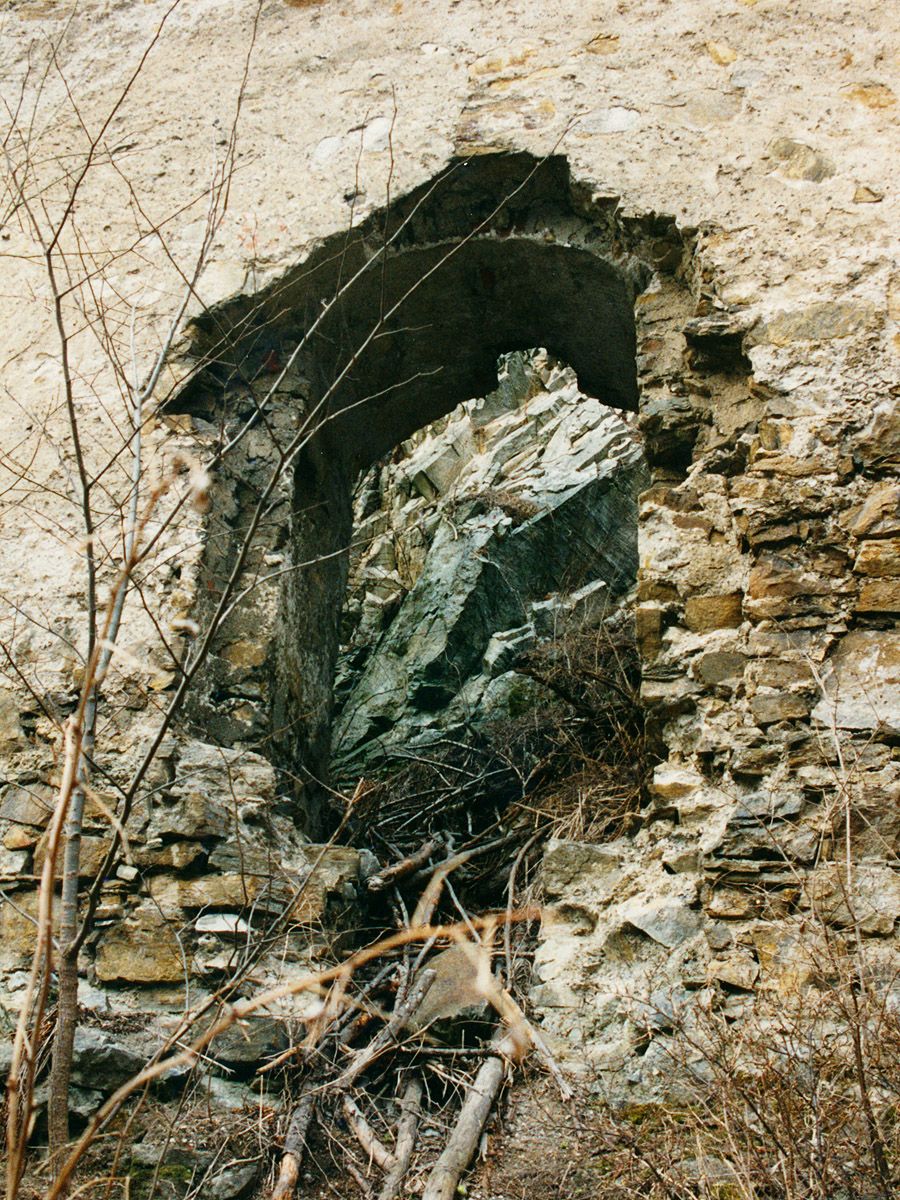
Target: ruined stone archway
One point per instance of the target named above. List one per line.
(498, 253)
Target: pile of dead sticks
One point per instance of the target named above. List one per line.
(367, 1067)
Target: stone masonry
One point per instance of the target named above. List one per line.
(731, 169)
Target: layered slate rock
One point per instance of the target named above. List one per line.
(473, 543)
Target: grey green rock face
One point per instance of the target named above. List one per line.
(528, 493)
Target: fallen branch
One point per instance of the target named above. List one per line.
(406, 866)
(387, 1035)
(410, 1108)
(463, 1141)
(432, 894)
(521, 1030)
(360, 1010)
(294, 1145)
(366, 1136)
(359, 1179)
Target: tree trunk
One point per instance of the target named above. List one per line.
(67, 970)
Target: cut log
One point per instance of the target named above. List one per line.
(294, 1145)
(463, 1142)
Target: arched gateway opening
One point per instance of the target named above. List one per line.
(383, 329)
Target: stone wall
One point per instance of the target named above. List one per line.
(768, 361)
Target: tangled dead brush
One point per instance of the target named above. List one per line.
(571, 759)
(791, 1092)
(795, 1097)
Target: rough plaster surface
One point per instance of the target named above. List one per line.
(769, 129)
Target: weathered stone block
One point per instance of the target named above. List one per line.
(670, 425)
(879, 557)
(822, 321)
(675, 783)
(879, 515)
(871, 900)
(249, 1041)
(457, 993)
(18, 931)
(336, 875)
(729, 903)
(567, 863)
(93, 852)
(143, 948)
(862, 682)
(100, 1061)
(681, 861)
(756, 760)
(666, 921)
(787, 956)
(705, 613)
(195, 816)
(208, 770)
(721, 666)
(247, 653)
(228, 891)
(648, 630)
(20, 837)
(233, 1182)
(30, 804)
(879, 443)
(737, 970)
(779, 587)
(779, 673)
(788, 706)
(659, 590)
(880, 595)
(668, 691)
(10, 726)
(175, 856)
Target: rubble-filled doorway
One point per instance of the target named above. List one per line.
(483, 536)
(379, 332)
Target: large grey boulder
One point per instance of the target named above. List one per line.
(498, 523)
(102, 1062)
